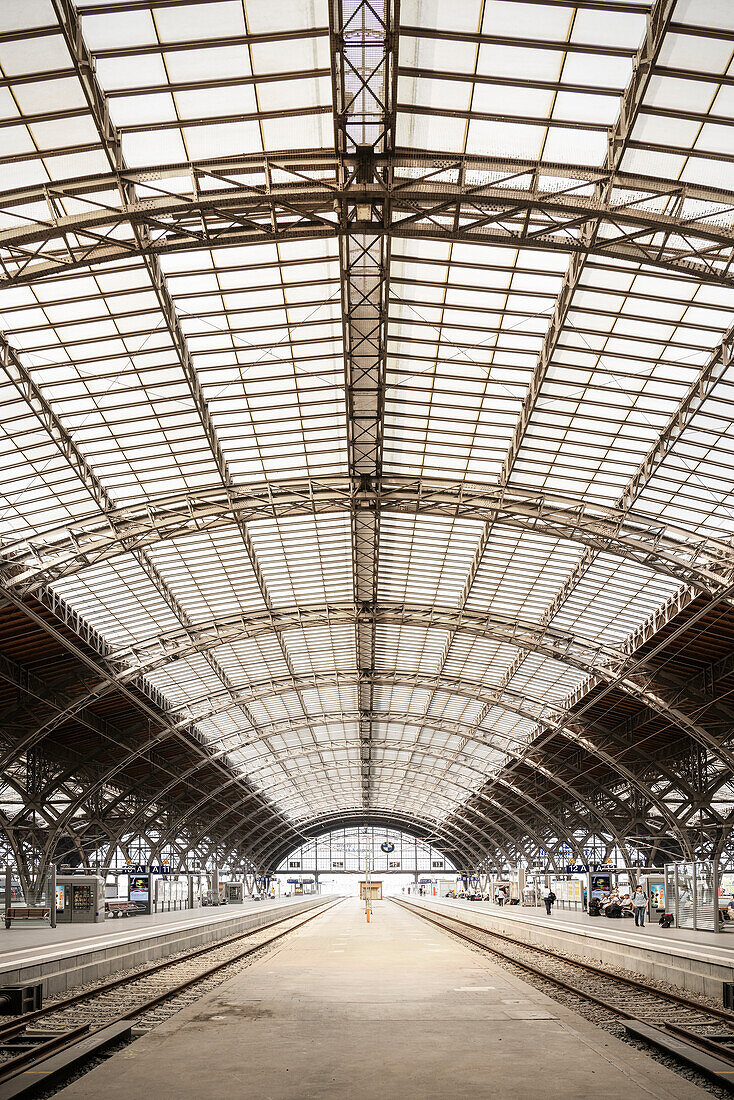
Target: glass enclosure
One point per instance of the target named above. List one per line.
(691, 894)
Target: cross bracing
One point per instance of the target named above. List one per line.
(366, 380)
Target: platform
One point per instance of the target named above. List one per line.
(696, 961)
(390, 1009)
(72, 954)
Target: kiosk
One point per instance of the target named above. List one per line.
(654, 887)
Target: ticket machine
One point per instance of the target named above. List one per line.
(79, 899)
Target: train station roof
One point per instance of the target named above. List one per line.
(366, 380)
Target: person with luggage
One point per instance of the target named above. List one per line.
(639, 904)
(548, 897)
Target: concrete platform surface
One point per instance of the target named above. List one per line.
(686, 940)
(393, 1009)
(74, 954)
(24, 940)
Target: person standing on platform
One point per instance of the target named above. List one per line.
(548, 897)
(639, 904)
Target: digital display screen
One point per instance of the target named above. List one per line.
(601, 885)
(139, 888)
(60, 891)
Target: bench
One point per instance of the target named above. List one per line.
(26, 912)
(120, 908)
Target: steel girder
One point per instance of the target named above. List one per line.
(613, 666)
(491, 824)
(364, 46)
(606, 663)
(549, 718)
(589, 735)
(318, 825)
(514, 213)
(465, 792)
(590, 230)
(158, 717)
(705, 563)
(545, 717)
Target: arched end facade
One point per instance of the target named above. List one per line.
(408, 834)
(348, 850)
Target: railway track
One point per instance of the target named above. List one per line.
(80, 1026)
(699, 1035)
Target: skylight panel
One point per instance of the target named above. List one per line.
(425, 561)
(210, 574)
(197, 22)
(608, 28)
(187, 680)
(612, 599)
(26, 14)
(543, 678)
(305, 561)
(252, 660)
(482, 661)
(521, 572)
(701, 13)
(321, 649)
(468, 325)
(409, 648)
(456, 707)
(120, 601)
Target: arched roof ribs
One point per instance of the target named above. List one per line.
(705, 563)
(514, 215)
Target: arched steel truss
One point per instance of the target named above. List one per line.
(507, 209)
(703, 562)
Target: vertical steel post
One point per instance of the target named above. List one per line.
(52, 892)
(694, 899)
(715, 886)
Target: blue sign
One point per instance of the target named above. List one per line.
(582, 868)
(147, 869)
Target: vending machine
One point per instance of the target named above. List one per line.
(79, 899)
(234, 892)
